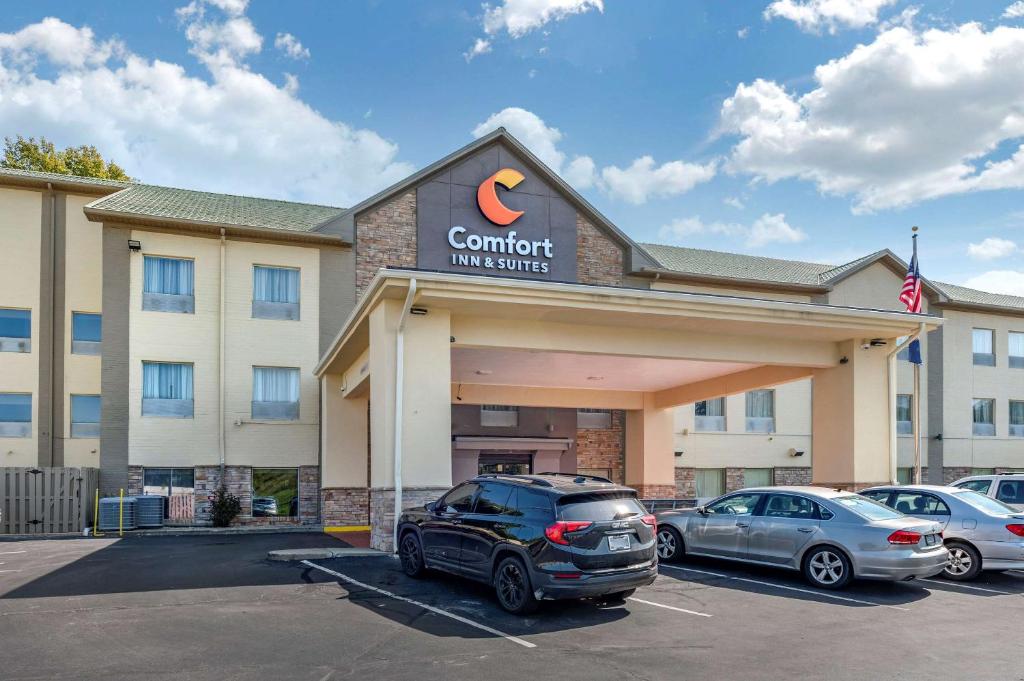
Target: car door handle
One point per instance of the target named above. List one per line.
(805, 529)
(456, 521)
(742, 524)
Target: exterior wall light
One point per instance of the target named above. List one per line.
(134, 246)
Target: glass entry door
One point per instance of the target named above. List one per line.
(502, 461)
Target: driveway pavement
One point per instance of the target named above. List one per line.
(215, 608)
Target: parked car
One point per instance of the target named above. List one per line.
(535, 537)
(981, 533)
(830, 536)
(1005, 487)
(264, 506)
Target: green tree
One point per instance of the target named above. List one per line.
(83, 161)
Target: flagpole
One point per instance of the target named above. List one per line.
(917, 401)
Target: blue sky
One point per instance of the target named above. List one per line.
(913, 118)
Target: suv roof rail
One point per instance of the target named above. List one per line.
(1009, 473)
(595, 478)
(517, 477)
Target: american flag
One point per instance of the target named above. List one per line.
(910, 295)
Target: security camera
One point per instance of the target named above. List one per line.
(866, 345)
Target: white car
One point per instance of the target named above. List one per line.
(1005, 487)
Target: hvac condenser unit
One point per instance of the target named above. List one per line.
(110, 513)
(149, 510)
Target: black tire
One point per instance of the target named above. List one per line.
(410, 553)
(964, 562)
(618, 596)
(513, 588)
(670, 544)
(826, 567)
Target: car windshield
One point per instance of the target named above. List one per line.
(984, 503)
(867, 508)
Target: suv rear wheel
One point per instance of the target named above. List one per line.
(411, 554)
(512, 585)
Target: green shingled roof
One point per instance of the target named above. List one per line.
(145, 200)
(61, 177)
(699, 262)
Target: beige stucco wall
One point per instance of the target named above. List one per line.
(737, 448)
(661, 285)
(20, 217)
(962, 382)
(83, 291)
(194, 338)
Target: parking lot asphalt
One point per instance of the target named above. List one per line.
(214, 608)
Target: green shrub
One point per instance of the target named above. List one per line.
(224, 507)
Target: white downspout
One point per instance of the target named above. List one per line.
(399, 407)
(53, 315)
(221, 444)
(891, 378)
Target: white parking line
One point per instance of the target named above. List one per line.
(823, 594)
(669, 607)
(10, 570)
(436, 611)
(968, 586)
(7, 553)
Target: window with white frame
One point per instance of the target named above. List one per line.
(275, 393)
(499, 416)
(275, 292)
(86, 333)
(168, 284)
(1015, 345)
(167, 390)
(15, 415)
(1016, 418)
(761, 411)
(983, 344)
(15, 330)
(905, 414)
(85, 416)
(709, 415)
(984, 417)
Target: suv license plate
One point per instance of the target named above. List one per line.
(618, 542)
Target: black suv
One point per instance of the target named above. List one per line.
(533, 537)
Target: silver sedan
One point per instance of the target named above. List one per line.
(830, 536)
(980, 532)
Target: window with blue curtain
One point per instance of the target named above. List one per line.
(86, 327)
(15, 415)
(169, 276)
(167, 390)
(275, 393)
(85, 416)
(275, 284)
(15, 323)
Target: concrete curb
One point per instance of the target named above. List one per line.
(321, 554)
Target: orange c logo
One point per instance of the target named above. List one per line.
(487, 196)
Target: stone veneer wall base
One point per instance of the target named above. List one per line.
(382, 511)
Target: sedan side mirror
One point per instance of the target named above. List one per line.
(430, 506)
(703, 510)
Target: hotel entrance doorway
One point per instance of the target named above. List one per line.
(505, 461)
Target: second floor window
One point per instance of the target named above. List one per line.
(275, 393)
(1016, 349)
(86, 333)
(709, 415)
(15, 330)
(275, 292)
(984, 417)
(168, 284)
(761, 411)
(167, 390)
(1016, 418)
(905, 414)
(15, 415)
(85, 416)
(982, 341)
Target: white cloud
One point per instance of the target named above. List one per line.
(991, 249)
(290, 46)
(743, 33)
(643, 179)
(479, 47)
(519, 17)
(1014, 11)
(766, 229)
(1010, 282)
(734, 202)
(831, 15)
(906, 118)
(232, 131)
(636, 183)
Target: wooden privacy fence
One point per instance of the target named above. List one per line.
(46, 500)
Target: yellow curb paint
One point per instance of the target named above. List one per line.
(348, 528)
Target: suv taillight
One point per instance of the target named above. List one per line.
(1016, 528)
(905, 537)
(650, 520)
(557, 530)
